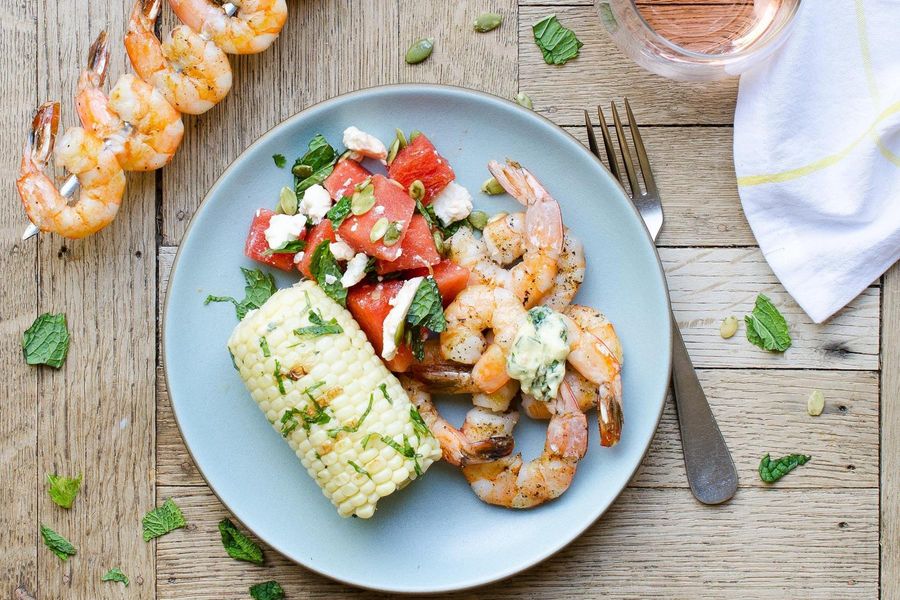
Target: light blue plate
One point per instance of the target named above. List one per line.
(435, 535)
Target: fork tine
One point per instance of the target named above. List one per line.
(608, 144)
(641, 152)
(592, 138)
(626, 153)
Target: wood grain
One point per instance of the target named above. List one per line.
(890, 437)
(652, 543)
(19, 387)
(603, 73)
(96, 414)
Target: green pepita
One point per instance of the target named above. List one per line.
(401, 137)
(438, 242)
(492, 187)
(379, 229)
(478, 219)
(522, 99)
(419, 51)
(414, 134)
(392, 235)
(728, 327)
(363, 200)
(302, 171)
(417, 190)
(392, 151)
(816, 403)
(287, 201)
(487, 22)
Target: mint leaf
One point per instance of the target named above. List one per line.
(237, 545)
(162, 519)
(269, 590)
(115, 574)
(46, 342)
(327, 273)
(260, 287)
(359, 469)
(766, 326)
(427, 308)
(338, 212)
(63, 489)
(771, 471)
(289, 247)
(319, 161)
(59, 545)
(280, 160)
(558, 44)
(319, 326)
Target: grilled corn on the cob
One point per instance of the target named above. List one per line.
(340, 409)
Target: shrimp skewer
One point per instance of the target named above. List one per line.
(101, 178)
(457, 447)
(512, 483)
(192, 72)
(252, 29)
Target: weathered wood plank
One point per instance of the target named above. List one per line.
(603, 73)
(652, 544)
(695, 175)
(96, 414)
(890, 436)
(489, 62)
(18, 260)
(328, 47)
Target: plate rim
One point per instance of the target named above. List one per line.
(423, 88)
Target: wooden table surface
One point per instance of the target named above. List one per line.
(829, 530)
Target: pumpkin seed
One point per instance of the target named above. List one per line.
(363, 200)
(816, 403)
(478, 219)
(392, 152)
(492, 187)
(302, 171)
(438, 242)
(401, 137)
(379, 229)
(287, 201)
(728, 327)
(419, 51)
(414, 134)
(487, 22)
(392, 235)
(522, 99)
(417, 190)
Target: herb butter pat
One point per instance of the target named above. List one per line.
(539, 352)
(393, 322)
(453, 204)
(283, 229)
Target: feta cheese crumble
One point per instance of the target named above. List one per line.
(453, 204)
(394, 320)
(315, 204)
(341, 250)
(283, 229)
(356, 270)
(361, 142)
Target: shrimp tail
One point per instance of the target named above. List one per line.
(487, 450)
(42, 137)
(445, 378)
(513, 178)
(609, 413)
(149, 8)
(98, 59)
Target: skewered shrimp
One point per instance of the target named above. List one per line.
(101, 178)
(138, 123)
(474, 310)
(252, 29)
(504, 242)
(543, 232)
(597, 354)
(191, 72)
(457, 447)
(511, 483)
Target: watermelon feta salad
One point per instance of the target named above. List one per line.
(369, 225)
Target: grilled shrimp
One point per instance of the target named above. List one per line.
(533, 278)
(474, 310)
(101, 178)
(190, 71)
(504, 243)
(584, 391)
(457, 447)
(136, 121)
(252, 29)
(446, 377)
(512, 483)
(596, 353)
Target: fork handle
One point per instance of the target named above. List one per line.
(710, 469)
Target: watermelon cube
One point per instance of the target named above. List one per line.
(321, 232)
(347, 175)
(256, 246)
(419, 160)
(393, 203)
(418, 249)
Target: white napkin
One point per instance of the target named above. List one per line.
(817, 151)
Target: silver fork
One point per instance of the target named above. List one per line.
(710, 469)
